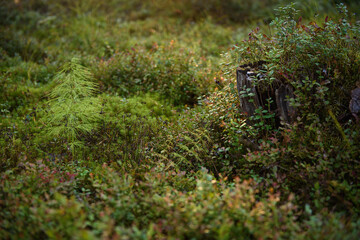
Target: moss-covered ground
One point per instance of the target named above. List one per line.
(121, 120)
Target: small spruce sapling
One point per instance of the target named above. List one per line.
(73, 107)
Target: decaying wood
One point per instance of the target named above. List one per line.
(285, 111)
(355, 103)
(244, 81)
(278, 91)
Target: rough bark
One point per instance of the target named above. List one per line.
(278, 91)
(284, 110)
(244, 81)
(355, 103)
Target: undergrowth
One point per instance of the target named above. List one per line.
(121, 120)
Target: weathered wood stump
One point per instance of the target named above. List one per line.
(252, 96)
(354, 104)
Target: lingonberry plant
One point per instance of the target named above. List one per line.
(319, 148)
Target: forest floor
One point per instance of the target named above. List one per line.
(121, 120)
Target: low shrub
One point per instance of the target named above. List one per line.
(311, 156)
(47, 200)
(170, 70)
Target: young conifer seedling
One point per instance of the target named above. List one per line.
(73, 107)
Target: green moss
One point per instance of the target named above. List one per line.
(168, 110)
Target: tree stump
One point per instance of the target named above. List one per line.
(354, 104)
(252, 96)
